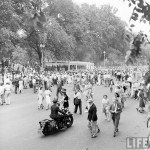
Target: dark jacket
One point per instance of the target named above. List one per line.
(119, 107)
(55, 111)
(66, 102)
(92, 113)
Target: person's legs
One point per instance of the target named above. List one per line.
(111, 88)
(57, 91)
(3, 98)
(89, 126)
(76, 108)
(8, 98)
(47, 104)
(122, 102)
(94, 128)
(34, 88)
(15, 89)
(113, 119)
(117, 118)
(104, 111)
(1, 101)
(39, 104)
(108, 113)
(80, 107)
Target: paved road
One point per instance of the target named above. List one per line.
(19, 124)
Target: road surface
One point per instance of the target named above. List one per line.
(19, 125)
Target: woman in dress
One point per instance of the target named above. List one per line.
(20, 85)
(141, 101)
(40, 98)
(8, 90)
(48, 98)
(106, 107)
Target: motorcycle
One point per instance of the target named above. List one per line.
(51, 126)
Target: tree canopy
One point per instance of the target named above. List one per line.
(67, 31)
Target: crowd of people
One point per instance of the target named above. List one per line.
(124, 83)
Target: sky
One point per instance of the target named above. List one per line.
(124, 12)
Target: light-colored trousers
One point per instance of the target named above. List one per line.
(93, 126)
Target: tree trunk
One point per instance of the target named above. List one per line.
(39, 52)
(3, 69)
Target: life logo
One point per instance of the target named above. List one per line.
(141, 143)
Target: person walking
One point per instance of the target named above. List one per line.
(8, 90)
(116, 109)
(48, 98)
(77, 101)
(21, 86)
(65, 99)
(92, 118)
(141, 101)
(16, 84)
(106, 107)
(34, 84)
(40, 98)
(25, 81)
(59, 88)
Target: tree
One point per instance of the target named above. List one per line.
(8, 26)
(141, 11)
(69, 32)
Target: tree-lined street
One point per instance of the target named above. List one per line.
(48, 44)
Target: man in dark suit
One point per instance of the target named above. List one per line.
(116, 109)
(92, 117)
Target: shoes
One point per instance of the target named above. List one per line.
(114, 134)
(117, 130)
(94, 136)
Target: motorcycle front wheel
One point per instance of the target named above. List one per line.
(69, 121)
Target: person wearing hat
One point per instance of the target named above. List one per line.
(116, 109)
(77, 101)
(65, 99)
(92, 118)
(55, 111)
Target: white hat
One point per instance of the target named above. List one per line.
(90, 100)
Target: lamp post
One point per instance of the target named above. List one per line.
(42, 59)
(104, 57)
